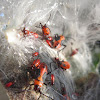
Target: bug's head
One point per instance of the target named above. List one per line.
(57, 59)
(37, 88)
(56, 35)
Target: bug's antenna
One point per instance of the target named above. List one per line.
(63, 29)
(64, 46)
(58, 93)
(45, 95)
(48, 19)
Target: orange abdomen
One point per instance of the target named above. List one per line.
(43, 72)
(46, 30)
(57, 44)
(37, 82)
(41, 78)
(49, 43)
(65, 65)
(62, 37)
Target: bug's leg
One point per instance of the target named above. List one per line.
(70, 38)
(37, 26)
(64, 46)
(48, 19)
(39, 97)
(24, 89)
(40, 26)
(50, 68)
(53, 71)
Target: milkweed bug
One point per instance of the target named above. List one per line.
(38, 72)
(27, 32)
(57, 42)
(45, 30)
(74, 52)
(35, 54)
(9, 84)
(64, 93)
(52, 79)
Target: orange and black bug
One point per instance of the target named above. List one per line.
(60, 63)
(45, 30)
(74, 52)
(39, 79)
(56, 42)
(51, 81)
(34, 69)
(58, 39)
(42, 69)
(36, 62)
(63, 64)
(9, 84)
(38, 82)
(38, 72)
(27, 32)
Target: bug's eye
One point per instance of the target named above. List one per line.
(56, 35)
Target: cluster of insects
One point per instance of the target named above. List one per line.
(39, 70)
